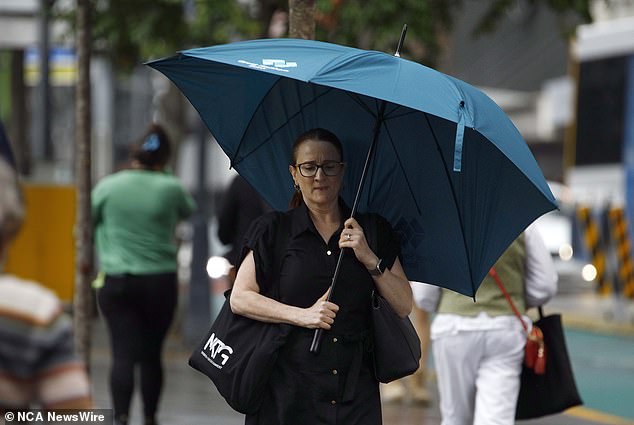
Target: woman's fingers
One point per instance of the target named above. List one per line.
(353, 237)
(330, 311)
(351, 223)
(322, 314)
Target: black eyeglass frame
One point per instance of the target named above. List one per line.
(318, 166)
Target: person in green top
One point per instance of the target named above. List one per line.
(135, 212)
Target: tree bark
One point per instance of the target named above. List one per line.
(301, 19)
(83, 227)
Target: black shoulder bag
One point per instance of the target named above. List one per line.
(555, 390)
(547, 383)
(238, 353)
(396, 346)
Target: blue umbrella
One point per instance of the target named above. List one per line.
(450, 171)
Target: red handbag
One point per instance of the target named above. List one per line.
(535, 350)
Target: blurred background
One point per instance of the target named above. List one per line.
(74, 92)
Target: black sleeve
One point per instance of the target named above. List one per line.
(228, 215)
(260, 238)
(389, 243)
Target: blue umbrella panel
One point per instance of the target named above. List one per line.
(450, 171)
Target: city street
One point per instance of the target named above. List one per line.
(602, 352)
(125, 128)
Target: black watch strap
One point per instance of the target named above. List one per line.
(378, 269)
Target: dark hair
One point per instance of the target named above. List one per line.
(153, 149)
(317, 134)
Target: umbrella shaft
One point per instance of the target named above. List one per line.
(368, 158)
(400, 41)
(314, 346)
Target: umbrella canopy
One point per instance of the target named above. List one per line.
(450, 172)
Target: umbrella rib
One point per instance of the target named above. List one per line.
(400, 163)
(409, 112)
(355, 97)
(455, 201)
(235, 160)
(388, 115)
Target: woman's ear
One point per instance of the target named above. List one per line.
(293, 171)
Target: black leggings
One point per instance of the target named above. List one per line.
(138, 310)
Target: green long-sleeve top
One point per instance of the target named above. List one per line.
(134, 216)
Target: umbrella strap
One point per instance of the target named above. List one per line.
(457, 153)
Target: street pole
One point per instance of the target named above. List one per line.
(199, 310)
(19, 120)
(44, 89)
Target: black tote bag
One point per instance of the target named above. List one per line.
(555, 390)
(238, 354)
(396, 346)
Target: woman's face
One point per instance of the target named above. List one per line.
(321, 190)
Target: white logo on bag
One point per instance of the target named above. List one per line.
(216, 347)
(273, 64)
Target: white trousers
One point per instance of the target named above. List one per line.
(478, 375)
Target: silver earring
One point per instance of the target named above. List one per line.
(297, 189)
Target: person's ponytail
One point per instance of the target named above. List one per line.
(296, 200)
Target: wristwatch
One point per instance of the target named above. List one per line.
(378, 269)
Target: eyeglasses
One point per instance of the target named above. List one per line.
(330, 168)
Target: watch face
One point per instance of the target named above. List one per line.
(378, 269)
(381, 266)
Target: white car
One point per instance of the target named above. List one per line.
(556, 228)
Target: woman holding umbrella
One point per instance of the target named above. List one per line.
(337, 385)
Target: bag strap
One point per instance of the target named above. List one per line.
(497, 279)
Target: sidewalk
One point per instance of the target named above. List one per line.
(189, 398)
(591, 312)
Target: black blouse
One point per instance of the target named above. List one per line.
(308, 264)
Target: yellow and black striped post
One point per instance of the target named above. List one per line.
(620, 236)
(591, 232)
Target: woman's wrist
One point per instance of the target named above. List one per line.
(369, 263)
(373, 263)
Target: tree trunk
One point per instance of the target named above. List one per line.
(301, 19)
(83, 227)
